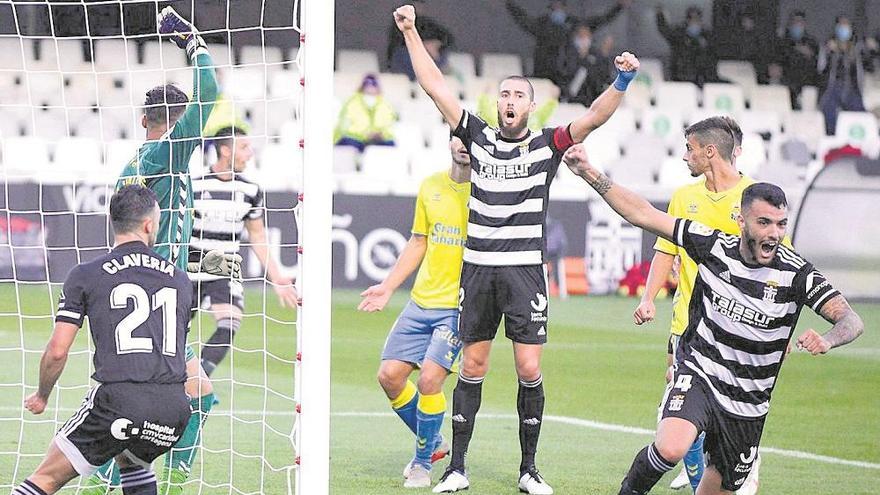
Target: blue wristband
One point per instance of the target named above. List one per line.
(623, 79)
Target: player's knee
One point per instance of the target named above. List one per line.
(389, 380)
(672, 451)
(199, 385)
(529, 371)
(431, 382)
(474, 368)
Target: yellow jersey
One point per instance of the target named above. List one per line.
(441, 215)
(715, 210)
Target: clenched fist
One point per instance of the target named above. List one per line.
(405, 18)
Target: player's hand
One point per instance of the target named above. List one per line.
(181, 31)
(405, 18)
(627, 65)
(375, 298)
(216, 262)
(286, 292)
(645, 312)
(35, 403)
(813, 343)
(576, 159)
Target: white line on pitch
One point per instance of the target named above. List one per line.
(567, 420)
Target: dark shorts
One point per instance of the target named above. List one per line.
(518, 293)
(141, 420)
(222, 291)
(731, 441)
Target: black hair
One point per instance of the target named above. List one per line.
(225, 137)
(798, 13)
(735, 129)
(523, 78)
(715, 131)
(165, 104)
(129, 206)
(764, 191)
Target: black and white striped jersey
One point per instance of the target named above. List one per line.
(220, 208)
(742, 316)
(510, 182)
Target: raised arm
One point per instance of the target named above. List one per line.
(604, 106)
(521, 17)
(429, 76)
(595, 22)
(377, 296)
(847, 327)
(629, 205)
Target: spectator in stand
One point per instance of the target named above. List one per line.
(693, 52)
(437, 40)
(366, 118)
(797, 56)
(552, 31)
(841, 69)
(585, 66)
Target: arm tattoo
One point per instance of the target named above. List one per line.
(601, 183)
(847, 323)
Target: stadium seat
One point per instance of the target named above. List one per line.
(279, 166)
(12, 52)
(475, 86)
(45, 88)
(859, 129)
(806, 125)
(430, 161)
(157, 56)
(638, 96)
(114, 89)
(650, 73)
(409, 138)
(683, 96)
(346, 83)
(396, 88)
(84, 122)
(635, 174)
(49, 123)
(809, 98)
(76, 159)
(754, 154)
(80, 90)
(284, 84)
(438, 137)
(622, 122)
(257, 55)
(111, 55)
(70, 55)
(14, 117)
(665, 123)
(357, 61)
(787, 175)
(462, 64)
(770, 98)
(760, 122)
(384, 162)
(826, 144)
(674, 173)
(221, 54)
(12, 90)
(500, 65)
(725, 98)
(420, 112)
(545, 90)
(602, 149)
(121, 123)
(25, 157)
(118, 152)
(565, 113)
(344, 160)
(644, 152)
(738, 72)
(246, 83)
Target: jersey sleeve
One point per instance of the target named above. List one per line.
(257, 207)
(560, 138)
(695, 238)
(187, 132)
(664, 245)
(420, 217)
(72, 301)
(817, 290)
(469, 128)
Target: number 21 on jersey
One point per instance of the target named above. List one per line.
(164, 299)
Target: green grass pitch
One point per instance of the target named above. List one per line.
(600, 372)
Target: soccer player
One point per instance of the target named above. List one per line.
(225, 204)
(173, 132)
(749, 292)
(425, 335)
(503, 273)
(137, 304)
(714, 201)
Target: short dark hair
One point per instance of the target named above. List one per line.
(735, 129)
(165, 104)
(765, 191)
(522, 78)
(225, 136)
(129, 206)
(715, 131)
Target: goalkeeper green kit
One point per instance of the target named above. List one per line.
(163, 165)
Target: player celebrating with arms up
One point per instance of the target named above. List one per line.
(138, 409)
(748, 294)
(503, 273)
(425, 334)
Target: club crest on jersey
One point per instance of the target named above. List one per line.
(692, 208)
(523, 148)
(770, 291)
(675, 403)
(734, 213)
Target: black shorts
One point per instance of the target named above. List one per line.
(142, 420)
(519, 293)
(731, 443)
(221, 291)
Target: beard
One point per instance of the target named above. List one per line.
(516, 127)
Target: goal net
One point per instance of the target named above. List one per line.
(73, 78)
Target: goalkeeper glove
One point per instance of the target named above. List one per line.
(182, 33)
(216, 262)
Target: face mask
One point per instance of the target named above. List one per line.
(558, 17)
(694, 30)
(844, 33)
(583, 44)
(796, 32)
(370, 100)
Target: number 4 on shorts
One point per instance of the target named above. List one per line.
(683, 383)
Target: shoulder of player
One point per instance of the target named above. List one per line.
(788, 258)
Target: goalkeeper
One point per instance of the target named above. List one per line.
(174, 131)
